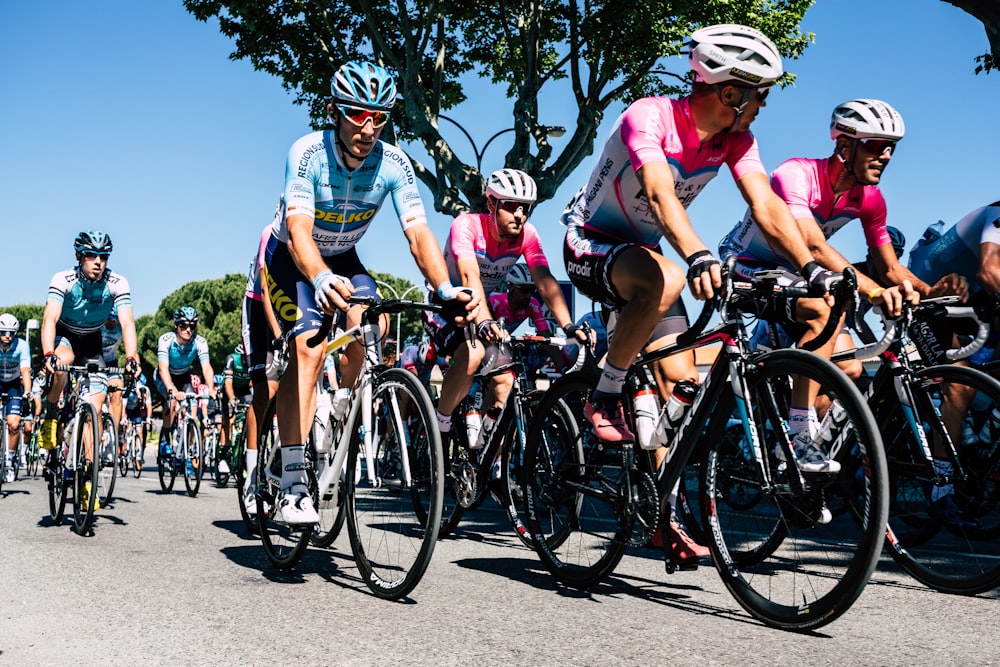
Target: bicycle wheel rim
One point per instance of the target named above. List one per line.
(392, 544)
(194, 464)
(107, 468)
(939, 550)
(85, 472)
(283, 544)
(775, 554)
(572, 484)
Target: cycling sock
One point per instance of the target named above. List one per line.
(612, 379)
(798, 420)
(251, 466)
(444, 422)
(293, 466)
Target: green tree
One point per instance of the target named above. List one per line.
(598, 51)
(988, 12)
(218, 302)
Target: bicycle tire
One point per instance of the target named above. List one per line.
(283, 544)
(392, 544)
(107, 468)
(125, 458)
(84, 501)
(165, 468)
(138, 452)
(572, 484)
(34, 456)
(775, 554)
(4, 439)
(57, 488)
(332, 512)
(194, 462)
(945, 555)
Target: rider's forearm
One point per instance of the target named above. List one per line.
(427, 253)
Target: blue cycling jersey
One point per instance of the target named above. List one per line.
(181, 357)
(86, 304)
(341, 201)
(13, 359)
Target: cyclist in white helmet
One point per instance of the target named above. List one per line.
(481, 249)
(660, 155)
(15, 382)
(825, 194)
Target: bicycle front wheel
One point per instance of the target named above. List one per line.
(574, 485)
(107, 470)
(946, 532)
(34, 453)
(194, 463)
(284, 544)
(391, 541)
(796, 556)
(85, 473)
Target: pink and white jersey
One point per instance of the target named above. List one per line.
(654, 129)
(500, 307)
(805, 186)
(470, 237)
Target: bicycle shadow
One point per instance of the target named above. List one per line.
(237, 528)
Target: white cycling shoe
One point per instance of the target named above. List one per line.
(297, 508)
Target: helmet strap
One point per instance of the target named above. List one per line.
(740, 107)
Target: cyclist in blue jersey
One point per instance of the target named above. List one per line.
(335, 181)
(78, 304)
(139, 410)
(15, 381)
(176, 353)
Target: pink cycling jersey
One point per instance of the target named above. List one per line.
(500, 307)
(654, 129)
(805, 185)
(470, 237)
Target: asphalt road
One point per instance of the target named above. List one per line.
(170, 580)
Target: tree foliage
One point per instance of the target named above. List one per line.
(411, 323)
(594, 52)
(987, 11)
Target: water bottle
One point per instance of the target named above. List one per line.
(646, 406)
(489, 422)
(341, 398)
(473, 424)
(675, 409)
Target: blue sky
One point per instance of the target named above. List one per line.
(128, 116)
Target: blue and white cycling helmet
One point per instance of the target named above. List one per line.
(186, 314)
(93, 241)
(239, 349)
(364, 84)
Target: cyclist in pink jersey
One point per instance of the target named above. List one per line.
(824, 195)
(517, 304)
(481, 249)
(660, 155)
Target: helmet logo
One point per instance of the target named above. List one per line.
(746, 76)
(846, 128)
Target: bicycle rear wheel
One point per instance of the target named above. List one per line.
(137, 447)
(958, 551)
(57, 488)
(284, 544)
(391, 541)
(107, 471)
(85, 473)
(34, 453)
(573, 486)
(795, 558)
(331, 509)
(194, 462)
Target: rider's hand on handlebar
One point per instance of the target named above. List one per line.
(952, 284)
(891, 299)
(574, 331)
(704, 274)
(51, 359)
(332, 291)
(448, 292)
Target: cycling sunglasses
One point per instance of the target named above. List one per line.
(879, 146)
(359, 116)
(187, 325)
(512, 206)
(94, 255)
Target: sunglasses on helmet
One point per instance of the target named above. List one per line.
(359, 116)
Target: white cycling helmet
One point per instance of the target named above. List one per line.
(9, 323)
(426, 354)
(734, 53)
(866, 119)
(512, 185)
(519, 275)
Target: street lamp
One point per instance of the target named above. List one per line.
(399, 316)
(549, 130)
